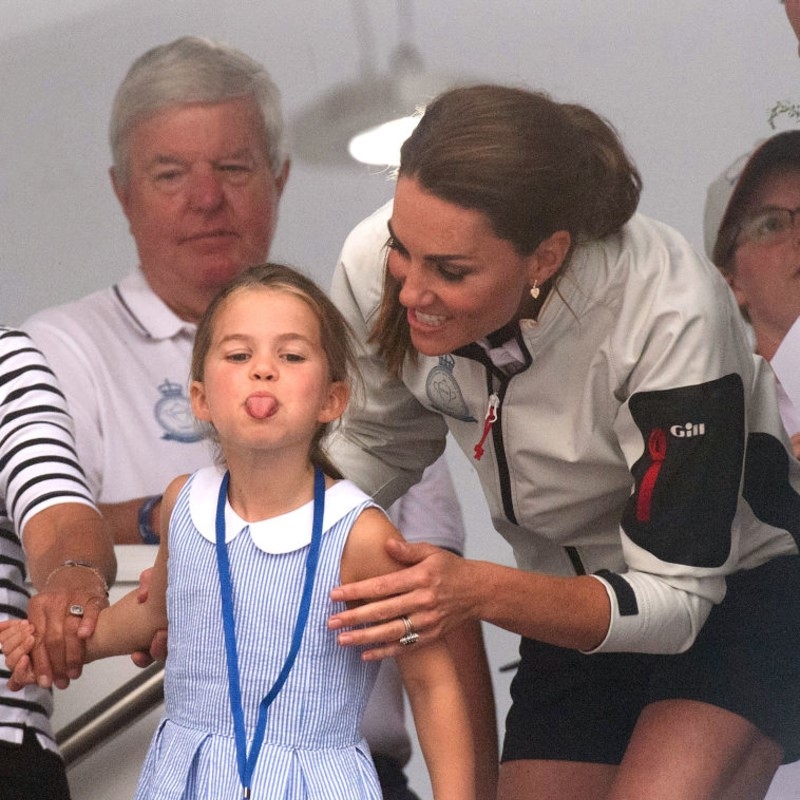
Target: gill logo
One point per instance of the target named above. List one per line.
(688, 430)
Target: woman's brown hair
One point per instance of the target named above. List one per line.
(532, 165)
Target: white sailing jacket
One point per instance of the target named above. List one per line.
(641, 442)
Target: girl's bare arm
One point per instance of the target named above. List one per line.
(436, 693)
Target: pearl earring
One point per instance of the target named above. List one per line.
(535, 290)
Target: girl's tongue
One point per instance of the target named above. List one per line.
(261, 406)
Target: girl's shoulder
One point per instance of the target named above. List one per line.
(173, 490)
(365, 553)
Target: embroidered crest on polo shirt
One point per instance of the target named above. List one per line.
(173, 412)
(444, 392)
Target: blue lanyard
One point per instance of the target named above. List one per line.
(246, 764)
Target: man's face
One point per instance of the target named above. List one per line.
(201, 199)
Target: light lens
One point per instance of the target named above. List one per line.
(381, 145)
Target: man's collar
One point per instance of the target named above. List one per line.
(147, 311)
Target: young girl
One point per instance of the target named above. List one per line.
(260, 700)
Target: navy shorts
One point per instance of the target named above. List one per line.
(746, 659)
(28, 771)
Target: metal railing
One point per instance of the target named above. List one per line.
(112, 715)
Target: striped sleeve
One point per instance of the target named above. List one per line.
(38, 461)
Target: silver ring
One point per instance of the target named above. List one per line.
(410, 636)
(76, 610)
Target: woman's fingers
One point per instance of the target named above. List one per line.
(392, 583)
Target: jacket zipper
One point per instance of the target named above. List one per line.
(488, 422)
(496, 385)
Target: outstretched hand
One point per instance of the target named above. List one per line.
(433, 592)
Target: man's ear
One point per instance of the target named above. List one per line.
(120, 189)
(336, 402)
(549, 256)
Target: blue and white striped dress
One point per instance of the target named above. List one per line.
(313, 747)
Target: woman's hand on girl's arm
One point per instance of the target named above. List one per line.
(433, 593)
(441, 591)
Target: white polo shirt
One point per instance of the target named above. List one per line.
(122, 356)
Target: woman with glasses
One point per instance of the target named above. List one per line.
(597, 374)
(753, 236)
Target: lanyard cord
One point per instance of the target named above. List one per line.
(246, 764)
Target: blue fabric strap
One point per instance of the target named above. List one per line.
(246, 763)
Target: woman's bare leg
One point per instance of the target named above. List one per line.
(554, 780)
(687, 750)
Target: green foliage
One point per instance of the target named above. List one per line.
(781, 108)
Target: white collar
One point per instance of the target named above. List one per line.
(281, 534)
(148, 311)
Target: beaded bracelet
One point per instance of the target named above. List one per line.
(72, 563)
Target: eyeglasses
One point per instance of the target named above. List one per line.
(770, 225)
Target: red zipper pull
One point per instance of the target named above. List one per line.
(491, 417)
(657, 447)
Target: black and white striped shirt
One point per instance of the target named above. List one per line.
(38, 469)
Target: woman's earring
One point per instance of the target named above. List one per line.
(535, 291)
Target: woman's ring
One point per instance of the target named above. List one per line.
(76, 610)
(410, 636)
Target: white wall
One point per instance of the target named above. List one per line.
(689, 85)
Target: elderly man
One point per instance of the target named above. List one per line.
(45, 507)
(199, 165)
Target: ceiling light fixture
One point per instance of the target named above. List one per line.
(368, 119)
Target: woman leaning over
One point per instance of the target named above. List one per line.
(628, 444)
